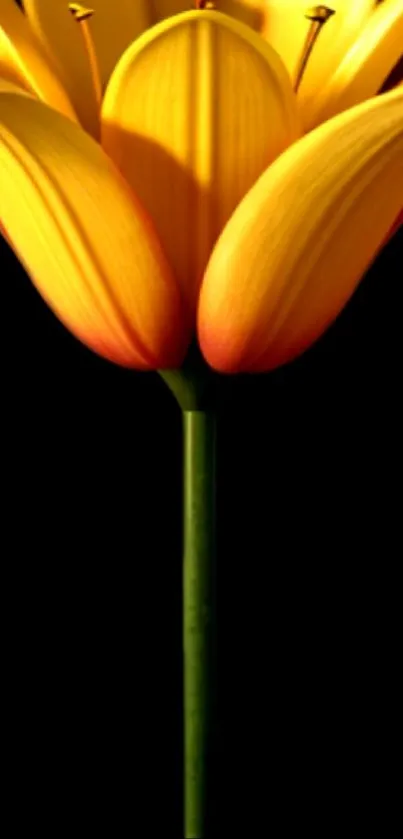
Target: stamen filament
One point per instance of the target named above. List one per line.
(81, 15)
(318, 15)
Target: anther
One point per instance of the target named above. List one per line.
(80, 12)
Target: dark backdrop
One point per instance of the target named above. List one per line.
(309, 502)
(309, 545)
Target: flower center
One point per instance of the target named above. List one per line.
(82, 15)
(318, 15)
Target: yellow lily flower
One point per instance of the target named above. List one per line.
(157, 170)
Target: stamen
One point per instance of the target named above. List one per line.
(81, 14)
(318, 15)
(204, 4)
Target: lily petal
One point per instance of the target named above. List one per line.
(295, 249)
(196, 109)
(25, 60)
(84, 239)
(113, 27)
(365, 67)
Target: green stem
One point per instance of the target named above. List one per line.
(198, 616)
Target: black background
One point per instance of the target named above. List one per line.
(309, 548)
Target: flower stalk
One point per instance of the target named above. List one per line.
(194, 387)
(199, 619)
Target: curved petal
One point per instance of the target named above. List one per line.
(113, 27)
(22, 54)
(364, 68)
(295, 249)
(193, 114)
(84, 239)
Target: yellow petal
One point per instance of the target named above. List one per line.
(295, 249)
(364, 68)
(22, 54)
(113, 26)
(193, 114)
(84, 239)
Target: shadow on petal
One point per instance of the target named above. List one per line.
(183, 211)
(195, 111)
